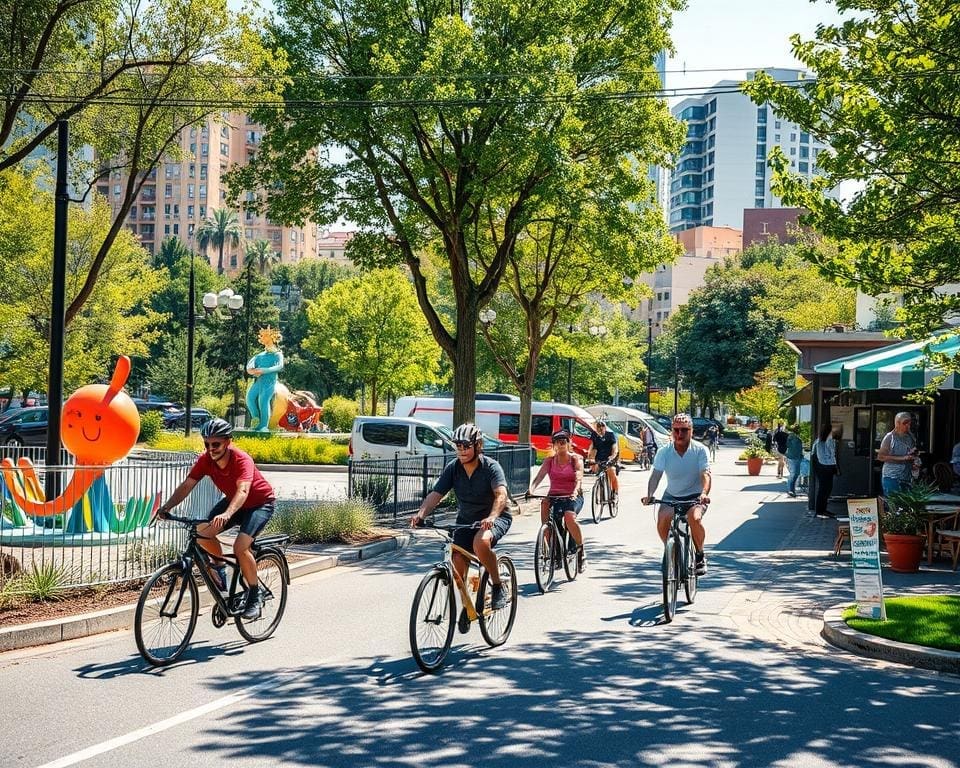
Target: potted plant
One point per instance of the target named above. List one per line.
(754, 454)
(903, 525)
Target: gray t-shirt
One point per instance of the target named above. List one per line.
(474, 493)
(898, 445)
(683, 472)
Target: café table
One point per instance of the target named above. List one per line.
(935, 512)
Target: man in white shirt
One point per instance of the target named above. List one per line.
(687, 467)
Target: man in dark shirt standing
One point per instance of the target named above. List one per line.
(604, 447)
(481, 489)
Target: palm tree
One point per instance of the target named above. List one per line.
(219, 229)
(261, 253)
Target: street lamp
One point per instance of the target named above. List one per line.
(213, 304)
(487, 317)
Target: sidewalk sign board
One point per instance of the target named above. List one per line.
(865, 548)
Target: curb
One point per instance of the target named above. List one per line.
(837, 632)
(121, 617)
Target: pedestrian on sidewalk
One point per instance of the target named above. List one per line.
(794, 457)
(898, 450)
(824, 459)
(780, 447)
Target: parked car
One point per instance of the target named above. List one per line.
(178, 419)
(24, 426)
(664, 421)
(700, 426)
(164, 406)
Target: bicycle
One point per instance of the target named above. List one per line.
(169, 604)
(712, 448)
(435, 603)
(554, 545)
(679, 561)
(602, 494)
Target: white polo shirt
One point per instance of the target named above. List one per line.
(683, 472)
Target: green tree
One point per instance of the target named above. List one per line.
(167, 372)
(370, 327)
(261, 253)
(219, 229)
(116, 320)
(883, 97)
(461, 122)
(129, 80)
(761, 400)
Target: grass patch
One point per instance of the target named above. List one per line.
(312, 522)
(929, 620)
(266, 450)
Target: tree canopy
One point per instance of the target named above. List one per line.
(883, 96)
(460, 123)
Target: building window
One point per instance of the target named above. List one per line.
(776, 138)
(233, 259)
(176, 229)
(803, 167)
(203, 211)
(761, 168)
(190, 190)
(190, 230)
(204, 149)
(759, 187)
(203, 191)
(176, 209)
(761, 133)
(761, 151)
(133, 211)
(189, 211)
(712, 107)
(804, 152)
(776, 124)
(116, 190)
(248, 233)
(225, 131)
(166, 211)
(712, 125)
(793, 137)
(793, 150)
(710, 156)
(762, 115)
(758, 203)
(193, 147)
(804, 137)
(168, 190)
(166, 230)
(192, 171)
(224, 148)
(203, 171)
(711, 142)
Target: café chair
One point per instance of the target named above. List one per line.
(943, 476)
(949, 536)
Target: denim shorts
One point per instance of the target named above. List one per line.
(561, 506)
(251, 521)
(463, 537)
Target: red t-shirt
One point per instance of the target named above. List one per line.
(239, 467)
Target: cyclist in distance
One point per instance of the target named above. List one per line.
(687, 467)
(603, 448)
(248, 501)
(566, 479)
(481, 489)
(649, 443)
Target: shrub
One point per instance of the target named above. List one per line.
(147, 556)
(374, 489)
(43, 582)
(266, 449)
(754, 450)
(215, 405)
(310, 522)
(151, 423)
(903, 510)
(339, 413)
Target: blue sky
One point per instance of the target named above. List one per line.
(740, 35)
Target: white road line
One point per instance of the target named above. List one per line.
(162, 725)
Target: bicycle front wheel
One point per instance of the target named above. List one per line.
(166, 614)
(690, 570)
(668, 570)
(543, 557)
(495, 626)
(570, 556)
(614, 505)
(431, 620)
(596, 499)
(273, 596)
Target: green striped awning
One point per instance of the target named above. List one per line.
(899, 366)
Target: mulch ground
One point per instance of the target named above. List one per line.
(77, 601)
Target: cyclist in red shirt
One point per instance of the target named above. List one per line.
(248, 502)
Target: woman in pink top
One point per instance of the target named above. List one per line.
(565, 469)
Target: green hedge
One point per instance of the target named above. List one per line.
(310, 522)
(271, 449)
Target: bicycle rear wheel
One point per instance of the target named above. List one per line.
(570, 556)
(690, 570)
(431, 620)
(495, 626)
(668, 569)
(543, 557)
(613, 505)
(596, 499)
(273, 594)
(166, 614)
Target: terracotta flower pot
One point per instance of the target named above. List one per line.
(905, 552)
(754, 465)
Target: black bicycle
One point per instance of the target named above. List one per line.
(602, 494)
(170, 601)
(679, 558)
(555, 545)
(435, 602)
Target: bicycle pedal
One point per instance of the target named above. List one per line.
(463, 622)
(218, 617)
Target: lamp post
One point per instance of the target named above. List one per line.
(570, 373)
(215, 303)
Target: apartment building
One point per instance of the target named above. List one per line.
(722, 169)
(179, 194)
(672, 284)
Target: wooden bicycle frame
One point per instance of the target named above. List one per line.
(472, 559)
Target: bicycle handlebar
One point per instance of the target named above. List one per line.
(549, 496)
(448, 528)
(680, 506)
(178, 519)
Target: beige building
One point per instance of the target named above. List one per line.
(672, 284)
(332, 245)
(178, 196)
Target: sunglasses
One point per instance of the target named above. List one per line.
(463, 444)
(213, 444)
(681, 429)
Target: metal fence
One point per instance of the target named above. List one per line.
(397, 486)
(104, 537)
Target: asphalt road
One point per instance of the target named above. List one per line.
(590, 676)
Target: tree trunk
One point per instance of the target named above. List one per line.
(373, 397)
(526, 411)
(220, 261)
(464, 360)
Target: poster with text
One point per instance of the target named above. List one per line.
(865, 549)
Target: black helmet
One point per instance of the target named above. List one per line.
(560, 434)
(216, 428)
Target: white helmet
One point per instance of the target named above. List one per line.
(467, 433)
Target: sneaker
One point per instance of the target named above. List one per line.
(498, 597)
(252, 609)
(791, 494)
(701, 564)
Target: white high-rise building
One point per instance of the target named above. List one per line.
(722, 169)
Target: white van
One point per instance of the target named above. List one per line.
(631, 422)
(383, 437)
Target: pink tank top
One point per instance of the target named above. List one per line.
(563, 477)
